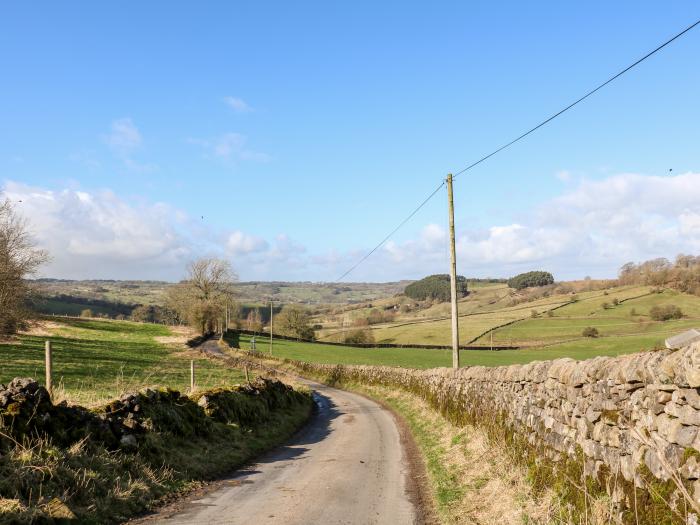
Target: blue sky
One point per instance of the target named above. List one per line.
(303, 132)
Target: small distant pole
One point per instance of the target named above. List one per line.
(270, 326)
(247, 377)
(49, 382)
(192, 375)
(453, 276)
(492, 340)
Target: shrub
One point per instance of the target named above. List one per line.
(550, 313)
(605, 305)
(359, 337)
(534, 314)
(615, 301)
(590, 331)
(531, 279)
(665, 312)
(86, 313)
(436, 287)
(294, 321)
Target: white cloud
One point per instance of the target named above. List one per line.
(97, 234)
(229, 147)
(591, 229)
(239, 243)
(237, 104)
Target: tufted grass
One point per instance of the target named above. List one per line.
(84, 482)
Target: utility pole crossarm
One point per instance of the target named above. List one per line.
(453, 276)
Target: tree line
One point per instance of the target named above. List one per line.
(530, 280)
(683, 274)
(436, 287)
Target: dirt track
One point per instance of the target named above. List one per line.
(347, 466)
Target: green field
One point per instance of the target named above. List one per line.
(55, 306)
(627, 324)
(430, 358)
(493, 314)
(94, 361)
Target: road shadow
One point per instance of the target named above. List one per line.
(316, 430)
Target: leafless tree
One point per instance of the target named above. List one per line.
(19, 259)
(201, 299)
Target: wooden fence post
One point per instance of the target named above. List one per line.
(192, 375)
(49, 382)
(247, 377)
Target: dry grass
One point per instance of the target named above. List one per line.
(474, 480)
(479, 484)
(42, 328)
(180, 335)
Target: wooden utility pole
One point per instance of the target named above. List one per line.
(270, 326)
(192, 383)
(49, 363)
(453, 276)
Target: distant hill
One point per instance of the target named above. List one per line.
(64, 296)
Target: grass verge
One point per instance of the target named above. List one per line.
(470, 481)
(68, 468)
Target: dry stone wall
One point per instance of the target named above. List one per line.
(624, 415)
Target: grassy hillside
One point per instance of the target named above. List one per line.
(494, 312)
(620, 326)
(98, 360)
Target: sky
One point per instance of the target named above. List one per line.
(291, 137)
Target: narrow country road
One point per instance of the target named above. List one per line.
(345, 467)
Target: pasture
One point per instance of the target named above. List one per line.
(96, 360)
(496, 314)
(425, 357)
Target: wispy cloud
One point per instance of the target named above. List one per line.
(86, 159)
(237, 104)
(125, 140)
(124, 137)
(230, 147)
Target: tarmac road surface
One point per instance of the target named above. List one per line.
(346, 467)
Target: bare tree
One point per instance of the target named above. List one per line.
(19, 259)
(201, 299)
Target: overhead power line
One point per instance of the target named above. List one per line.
(519, 138)
(584, 97)
(410, 216)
